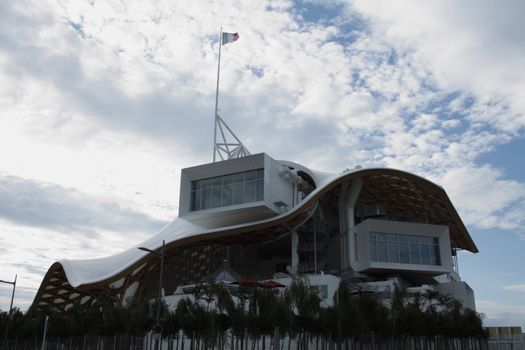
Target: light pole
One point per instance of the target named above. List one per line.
(10, 308)
(45, 333)
(158, 328)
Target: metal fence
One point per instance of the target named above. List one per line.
(228, 341)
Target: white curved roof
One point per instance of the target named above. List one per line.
(79, 272)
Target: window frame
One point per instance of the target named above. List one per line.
(227, 190)
(420, 250)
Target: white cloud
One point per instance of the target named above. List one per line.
(484, 198)
(501, 314)
(75, 153)
(466, 45)
(515, 288)
(37, 204)
(29, 251)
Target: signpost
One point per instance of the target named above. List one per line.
(10, 309)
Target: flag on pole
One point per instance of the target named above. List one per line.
(229, 37)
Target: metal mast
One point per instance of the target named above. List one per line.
(225, 143)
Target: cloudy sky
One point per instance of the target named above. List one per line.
(103, 102)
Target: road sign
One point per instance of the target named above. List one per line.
(158, 328)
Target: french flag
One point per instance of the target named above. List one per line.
(229, 37)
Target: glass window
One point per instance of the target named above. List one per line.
(196, 197)
(216, 195)
(425, 254)
(373, 249)
(250, 175)
(238, 193)
(206, 184)
(238, 178)
(405, 249)
(206, 199)
(223, 191)
(432, 255)
(227, 195)
(382, 251)
(414, 253)
(425, 240)
(436, 255)
(250, 191)
(403, 252)
(260, 189)
(393, 251)
(227, 180)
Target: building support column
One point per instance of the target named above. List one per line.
(347, 202)
(295, 254)
(342, 225)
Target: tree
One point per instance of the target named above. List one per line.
(305, 303)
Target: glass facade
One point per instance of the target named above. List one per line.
(404, 249)
(223, 191)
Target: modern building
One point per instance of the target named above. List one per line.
(261, 219)
(506, 338)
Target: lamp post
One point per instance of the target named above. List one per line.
(10, 308)
(158, 328)
(45, 333)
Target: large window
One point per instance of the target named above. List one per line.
(404, 249)
(223, 191)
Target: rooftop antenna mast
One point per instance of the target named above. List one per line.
(225, 143)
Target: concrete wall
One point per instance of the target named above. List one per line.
(460, 291)
(278, 185)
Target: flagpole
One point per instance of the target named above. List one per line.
(217, 99)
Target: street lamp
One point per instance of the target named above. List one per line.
(158, 327)
(10, 308)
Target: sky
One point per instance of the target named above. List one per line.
(102, 103)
